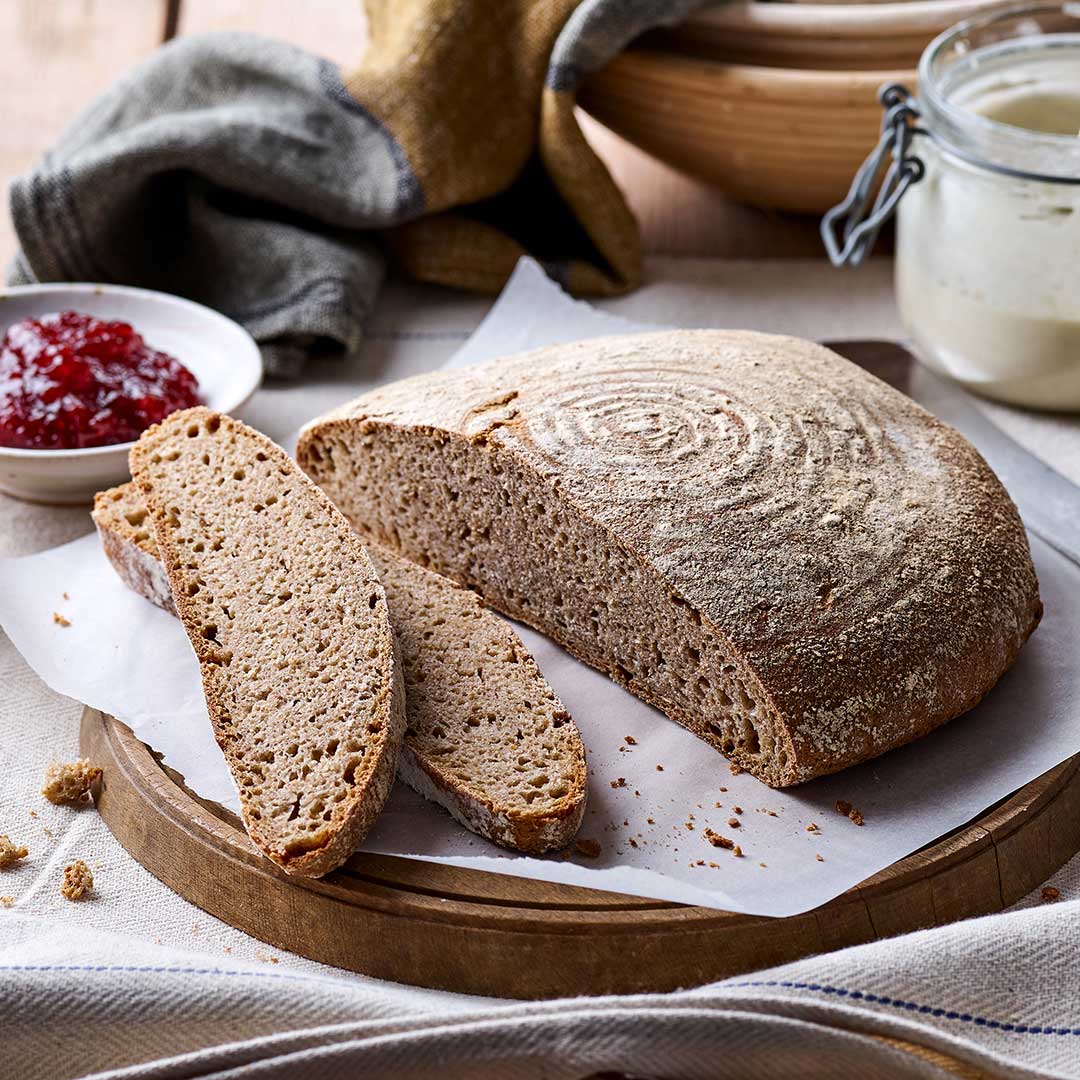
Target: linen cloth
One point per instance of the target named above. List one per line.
(140, 982)
(254, 177)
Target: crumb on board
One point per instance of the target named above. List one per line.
(620, 782)
(734, 823)
(70, 782)
(10, 852)
(630, 740)
(59, 619)
(7, 901)
(589, 848)
(78, 881)
(1050, 894)
(734, 769)
(849, 811)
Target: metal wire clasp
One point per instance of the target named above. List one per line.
(856, 220)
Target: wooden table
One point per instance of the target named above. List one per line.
(59, 54)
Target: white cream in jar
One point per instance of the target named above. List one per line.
(988, 241)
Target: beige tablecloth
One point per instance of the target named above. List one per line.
(139, 975)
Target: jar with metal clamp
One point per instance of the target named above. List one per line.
(982, 170)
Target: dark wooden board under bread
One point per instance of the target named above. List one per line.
(476, 932)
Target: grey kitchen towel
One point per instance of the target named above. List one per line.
(993, 997)
(251, 176)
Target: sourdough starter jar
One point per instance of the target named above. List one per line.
(988, 224)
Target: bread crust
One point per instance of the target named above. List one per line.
(855, 558)
(371, 782)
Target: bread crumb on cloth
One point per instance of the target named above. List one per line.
(59, 619)
(10, 852)
(589, 848)
(7, 901)
(717, 840)
(70, 782)
(1050, 894)
(849, 811)
(78, 881)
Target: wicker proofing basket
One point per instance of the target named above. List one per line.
(773, 103)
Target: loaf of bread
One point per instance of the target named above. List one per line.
(289, 623)
(783, 553)
(486, 737)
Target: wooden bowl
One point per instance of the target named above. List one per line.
(833, 36)
(783, 138)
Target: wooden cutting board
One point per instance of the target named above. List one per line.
(479, 933)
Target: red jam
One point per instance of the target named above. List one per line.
(69, 380)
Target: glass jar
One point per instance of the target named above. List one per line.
(988, 229)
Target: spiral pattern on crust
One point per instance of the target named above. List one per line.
(652, 435)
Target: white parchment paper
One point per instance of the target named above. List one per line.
(650, 800)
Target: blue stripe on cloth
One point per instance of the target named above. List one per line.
(912, 1006)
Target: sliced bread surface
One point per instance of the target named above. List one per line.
(786, 555)
(289, 622)
(486, 736)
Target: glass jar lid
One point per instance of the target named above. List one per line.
(1003, 91)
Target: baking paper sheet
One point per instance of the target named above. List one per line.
(650, 799)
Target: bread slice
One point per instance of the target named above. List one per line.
(783, 553)
(486, 736)
(289, 623)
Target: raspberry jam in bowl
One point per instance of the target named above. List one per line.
(69, 380)
(84, 369)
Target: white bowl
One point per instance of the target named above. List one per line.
(221, 354)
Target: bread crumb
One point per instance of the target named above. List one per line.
(813, 827)
(819, 858)
(659, 768)
(734, 823)
(589, 848)
(650, 821)
(734, 769)
(10, 852)
(6, 901)
(621, 782)
(724, 789)
(33, 813)
(736, 809)
(689, 824)
(228, 948)
(70, 782)
(717, 805)
(1050, 894)
(274, 960)
(59, 619)
(630, 740)
(717, 840)
(633, 842)
(849, 811)
(78, 881)
(47, 831)
(66, 597)
(737, 851)
(762, 865)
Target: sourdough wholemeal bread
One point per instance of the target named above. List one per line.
(784, 554)
(289, 623)
(486, 737)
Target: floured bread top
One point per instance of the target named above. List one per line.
(841, 538)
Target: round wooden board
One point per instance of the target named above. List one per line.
(480, 933)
